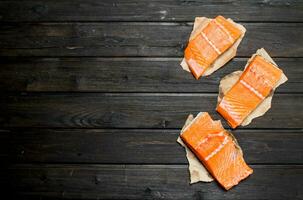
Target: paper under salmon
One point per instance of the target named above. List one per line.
(217, 149)
(219, 35)
(255, 84)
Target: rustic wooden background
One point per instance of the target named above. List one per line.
(93, 98)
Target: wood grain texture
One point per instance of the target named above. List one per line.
(139, 146)
(148, 182)
(124, 75)
(119, 110)
(107, 98)
(149, 10)
(136, 39)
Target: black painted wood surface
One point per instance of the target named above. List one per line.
(149, 10)
(150, 182)
(93, 99)
(144, 146)
(116, 75)
(129, 110)
(148, 39)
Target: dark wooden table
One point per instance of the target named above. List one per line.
(93, 98)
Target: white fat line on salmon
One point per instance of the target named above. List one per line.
(260, 76)
(211, 44)
(235, 115)
(197, 56)
(217, 149)
(225, 30)
(252, 89)
(210, 136)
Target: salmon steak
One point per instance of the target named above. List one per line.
(254, 85)
(213, 40)
(217, 149)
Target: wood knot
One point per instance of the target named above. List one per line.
(125, 77)
(43, 178)
(148, 190)
(97, 180)
(198, 195)
(40, 9)
(164, 123)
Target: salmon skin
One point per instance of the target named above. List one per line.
(254, 85)
(217, 150)
(215, 38)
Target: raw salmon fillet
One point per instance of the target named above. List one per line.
(206, 47)
(254, 85)
(216, 149)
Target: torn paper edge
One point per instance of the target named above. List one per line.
(199, 24)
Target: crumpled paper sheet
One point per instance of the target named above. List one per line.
(196, 169)
(200, 23)
(229, 80)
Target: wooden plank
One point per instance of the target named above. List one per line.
(123, 75)
(148, 182)
(139, 146)
(149, 10)
(4, 147)
(125, 110)
(136, 39)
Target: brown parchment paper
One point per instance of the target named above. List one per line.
(196, 169)
(199, 24)
(229, 80)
